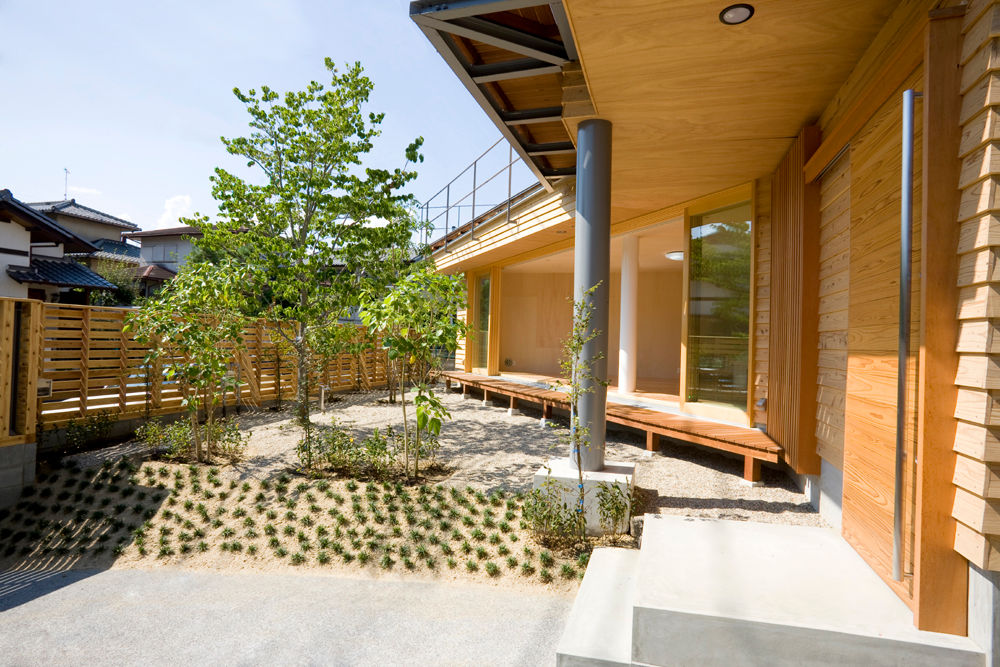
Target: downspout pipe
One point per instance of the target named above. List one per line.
(905, 276)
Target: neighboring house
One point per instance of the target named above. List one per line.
(653, 126)
(103, 230)
(33, 262)
(162, 254)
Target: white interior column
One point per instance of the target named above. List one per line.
(629, 315)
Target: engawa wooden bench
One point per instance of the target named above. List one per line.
(754, 445)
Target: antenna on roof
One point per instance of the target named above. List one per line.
(66, 183)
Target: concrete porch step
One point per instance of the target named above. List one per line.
(717, 592)
(599, 629)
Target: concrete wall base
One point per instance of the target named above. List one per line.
(17, 470)
(566, 476)
(984, 612)
(824, 492)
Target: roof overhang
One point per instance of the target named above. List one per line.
(510, 55)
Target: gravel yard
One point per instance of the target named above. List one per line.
(484, 447)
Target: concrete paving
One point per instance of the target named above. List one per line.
(186, 617)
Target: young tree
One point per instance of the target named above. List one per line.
(194, 327)
(129, 288)
(417, 322)
(312, 224)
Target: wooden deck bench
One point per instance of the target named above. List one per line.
(754, 445)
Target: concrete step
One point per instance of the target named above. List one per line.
(599, 628)
(717, 592)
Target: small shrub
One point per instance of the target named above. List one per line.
(471, 565)
(545, 576)
(492, 569)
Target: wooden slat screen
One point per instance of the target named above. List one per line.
(794, 286)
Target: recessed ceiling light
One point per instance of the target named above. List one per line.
(736, 14)
(675, 256)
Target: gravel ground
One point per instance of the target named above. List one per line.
(484, 447)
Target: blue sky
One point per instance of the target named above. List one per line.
(133, 97)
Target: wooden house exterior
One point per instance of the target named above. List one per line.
(779, 140)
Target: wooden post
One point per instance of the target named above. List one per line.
(486, 397)
(465, 390)
(940, 577)
(84, 360)
(6, 360)
(652, 441)
(513, 406)
(124, 370)
(751, 469)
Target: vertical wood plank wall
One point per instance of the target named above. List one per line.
(873, 313)
(834, 291)
(794, 296)
(977, 440)
(762, 304)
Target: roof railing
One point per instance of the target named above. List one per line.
(453, 209)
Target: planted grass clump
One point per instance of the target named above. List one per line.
(206, 517)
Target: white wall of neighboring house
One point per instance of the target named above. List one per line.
(86, 229)
(13, 237)
(47, 250)
(168, 251)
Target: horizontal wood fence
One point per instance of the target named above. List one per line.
(96, 367)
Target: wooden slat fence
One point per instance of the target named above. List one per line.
(95, 366)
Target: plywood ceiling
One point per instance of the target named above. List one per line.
(654, 243)
(698, 106)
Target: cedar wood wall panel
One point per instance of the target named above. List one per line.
(834, 294)
(793, 352)
(873, 311)
(977, 437)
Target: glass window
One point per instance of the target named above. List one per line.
(718, 337)
(481, 337)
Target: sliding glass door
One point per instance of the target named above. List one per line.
(720, 243)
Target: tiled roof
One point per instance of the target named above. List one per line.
(113, 247)
(183, 230)
(59, 272)
(70, 207)
(154, 272)
(42, 227)
(118, 251)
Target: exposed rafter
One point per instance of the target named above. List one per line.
(538, 42)
(511, 69)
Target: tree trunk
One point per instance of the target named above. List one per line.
(406, 426)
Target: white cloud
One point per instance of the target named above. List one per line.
(79, 190)
(173, 208)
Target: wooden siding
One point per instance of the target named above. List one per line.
(873, 310)
(977, 437)
(794, 297)
(533, 224)
(834, 295)
(762, 300)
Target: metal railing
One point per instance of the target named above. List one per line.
(460, 202)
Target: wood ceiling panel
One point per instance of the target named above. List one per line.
(698, 106)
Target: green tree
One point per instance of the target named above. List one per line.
(417, 323)
(313, 225)
(129, 288)
(192, 329)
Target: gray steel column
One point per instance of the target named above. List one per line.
(592, 266)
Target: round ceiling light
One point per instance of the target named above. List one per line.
(736, 14)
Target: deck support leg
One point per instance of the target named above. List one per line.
(652, 441)
(751, 470)
(513, 407)
(546, 414)
(465, 390)
(447, 385)
(486, 398)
